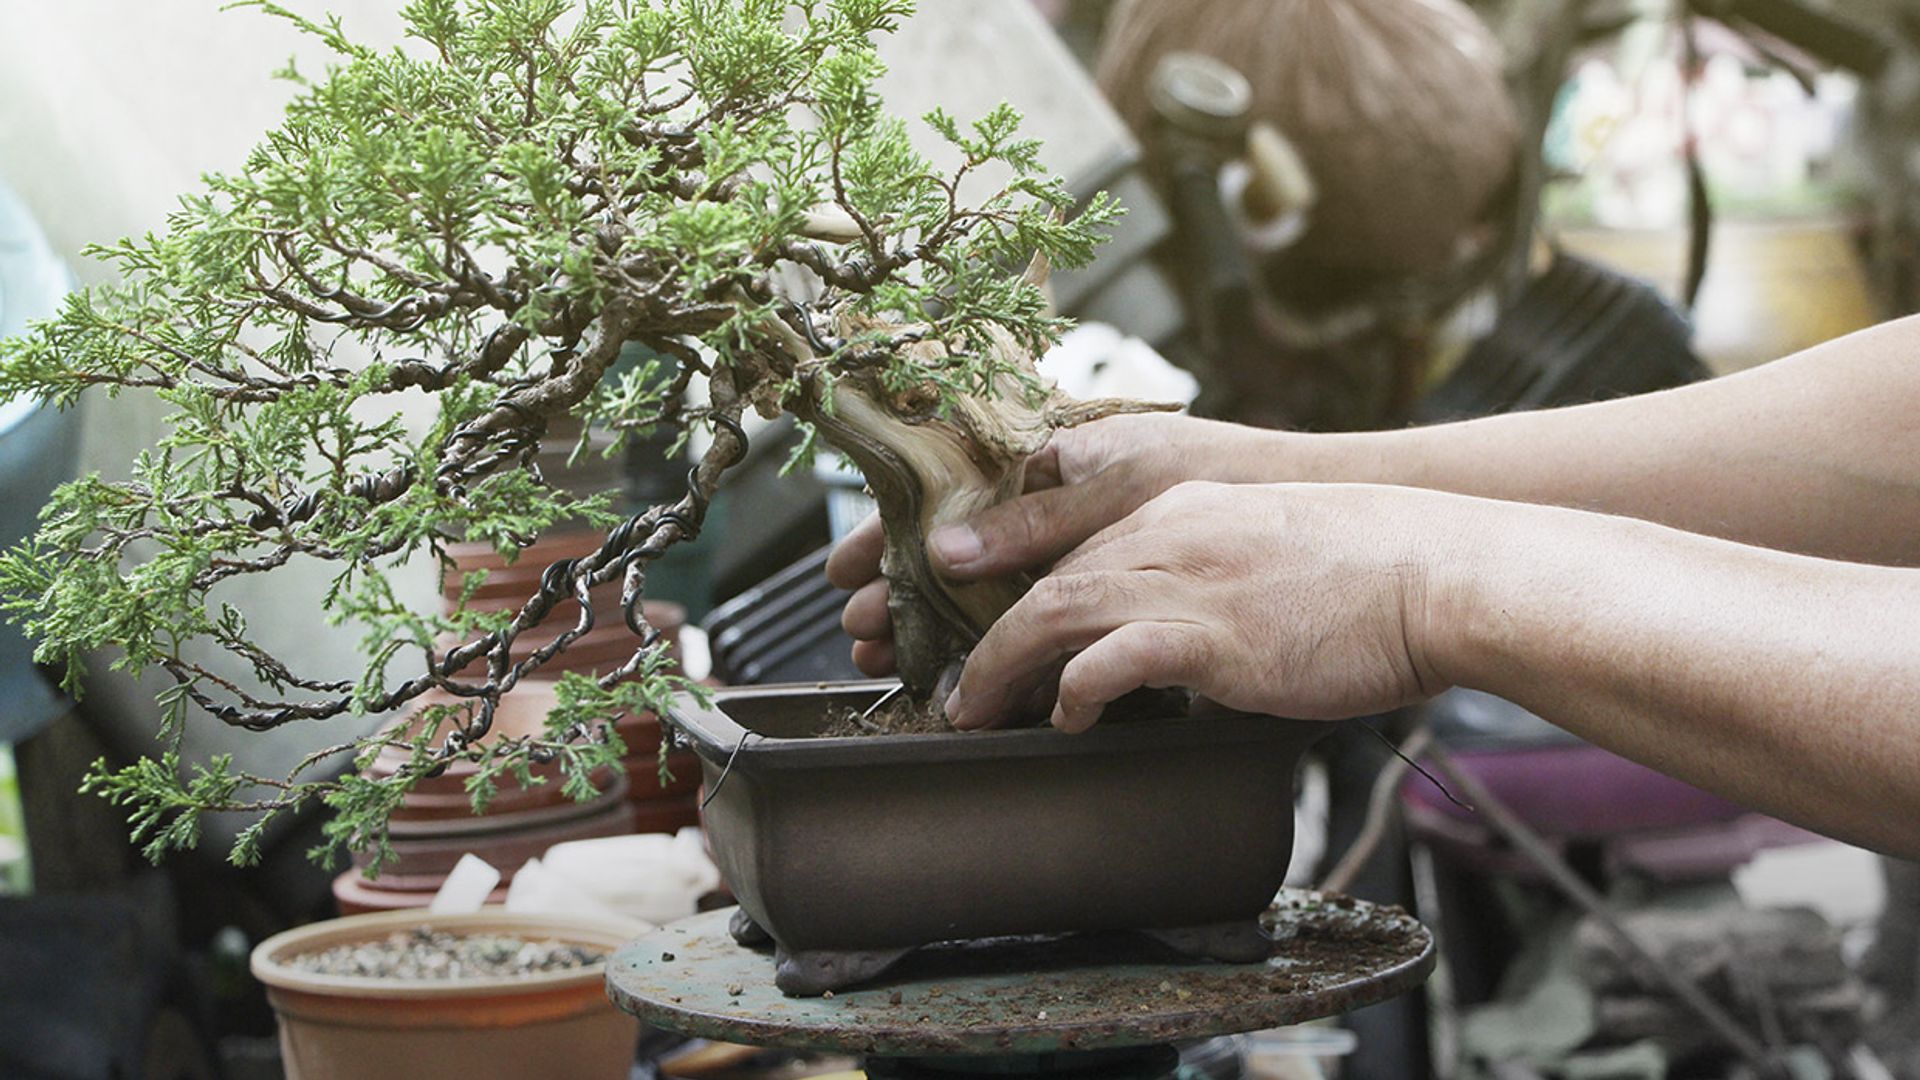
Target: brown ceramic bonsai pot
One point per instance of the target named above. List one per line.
(559, 1023)
(850, 852)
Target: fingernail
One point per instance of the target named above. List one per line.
(957, 545)
(952, 708)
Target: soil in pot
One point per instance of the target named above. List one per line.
(898, 715)
(372, 997)
(423, 952)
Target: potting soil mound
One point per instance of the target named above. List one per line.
(900, 715)
(426, 953)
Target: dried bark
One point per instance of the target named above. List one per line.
(929, 466)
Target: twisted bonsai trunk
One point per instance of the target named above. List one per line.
(928, 466)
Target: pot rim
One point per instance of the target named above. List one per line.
(481, 827)
(268, 965)
(719, 739)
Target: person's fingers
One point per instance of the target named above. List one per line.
(856, 559)
(1046, 688)
(1057, 616)
(1043, 468)
(1156, 654)
(1021, 533)
(874, 658)
(1128, 544)
(1031, 700)
(1149, 535)
(866, 616)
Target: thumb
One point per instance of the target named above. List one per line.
(1022, 533)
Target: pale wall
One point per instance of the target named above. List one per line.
(109, 109)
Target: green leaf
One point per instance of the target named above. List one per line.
(529, 211)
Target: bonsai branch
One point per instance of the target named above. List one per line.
(506, 213)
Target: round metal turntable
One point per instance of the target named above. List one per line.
(1107, 1005)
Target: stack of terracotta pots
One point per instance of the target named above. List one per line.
(608, 645)
(436, 824)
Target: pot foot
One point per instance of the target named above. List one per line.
(746, 932)
(812, 973)
(1239, 942)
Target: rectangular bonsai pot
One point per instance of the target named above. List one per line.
(878, 844)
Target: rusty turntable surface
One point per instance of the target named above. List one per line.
(1094, 1004)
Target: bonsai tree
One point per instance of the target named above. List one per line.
(490, 216)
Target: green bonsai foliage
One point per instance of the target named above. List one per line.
(487, 217)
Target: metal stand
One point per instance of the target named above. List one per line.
(1095, 1005)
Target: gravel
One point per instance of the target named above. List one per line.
(426, 953)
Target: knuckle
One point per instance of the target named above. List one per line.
(1024, 524)
(1188, 492)
(1181, 653)
(1034, 525)
(1074, 694)
(1065, 447)
(1002, 528)
(1084, 679)
(1049, 598)
(1059, 596)
(1174, 501)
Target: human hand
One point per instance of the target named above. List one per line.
(1305, 601)
(1083, 480)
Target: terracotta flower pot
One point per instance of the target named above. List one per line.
(523, 712)
(849, 852)
(427, 851)
(558, 544)
(608, 645)
(353, 894)
(435, 824)
(508, 585)
(357, 1028)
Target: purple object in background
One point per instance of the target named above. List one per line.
(1569, 790)
(1579, 792)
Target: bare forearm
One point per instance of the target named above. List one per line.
(1817, 453)
(1788, 683)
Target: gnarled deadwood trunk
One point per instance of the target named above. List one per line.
(926, 468)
